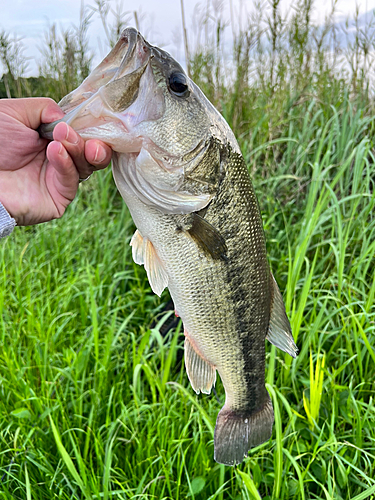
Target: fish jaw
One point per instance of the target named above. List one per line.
(97, 109)
(119, 61)
(139, 191)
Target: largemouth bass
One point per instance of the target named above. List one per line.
(199, 231)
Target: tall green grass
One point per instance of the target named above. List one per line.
(95, 401)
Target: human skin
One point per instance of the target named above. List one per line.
(38, 178)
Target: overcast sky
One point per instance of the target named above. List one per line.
(160, 20)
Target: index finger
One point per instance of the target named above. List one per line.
(32, 111)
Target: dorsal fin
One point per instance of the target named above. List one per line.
(279, 331)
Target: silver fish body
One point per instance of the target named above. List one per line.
(199, 229)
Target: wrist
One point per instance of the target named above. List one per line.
(7, 222)
(7, 206)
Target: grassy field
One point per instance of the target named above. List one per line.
(95, 402)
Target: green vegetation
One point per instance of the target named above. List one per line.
(95, 401)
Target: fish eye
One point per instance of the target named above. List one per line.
(178, 84)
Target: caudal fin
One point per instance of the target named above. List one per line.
(237, 432)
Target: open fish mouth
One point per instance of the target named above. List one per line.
(97, 108)
(132, 101)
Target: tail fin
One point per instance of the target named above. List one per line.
(236, 432)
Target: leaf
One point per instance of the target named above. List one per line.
(365, 494)
(249, 483)
(21, 413)
(27, 481)
(67, 460)
(197, 485)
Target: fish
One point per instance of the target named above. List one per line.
(180, 171)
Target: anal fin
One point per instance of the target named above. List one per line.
(201, 373)
(279, 330)
(144, 253)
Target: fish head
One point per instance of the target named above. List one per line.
(140, 101)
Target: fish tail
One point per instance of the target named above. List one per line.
(236, 432)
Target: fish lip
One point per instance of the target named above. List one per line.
(129, 36)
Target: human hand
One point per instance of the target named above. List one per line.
(38, 180)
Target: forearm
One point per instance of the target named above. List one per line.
(7, 223)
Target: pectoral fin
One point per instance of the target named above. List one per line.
(144, 253)
(202, 375)
(279, 331)
(207, 237)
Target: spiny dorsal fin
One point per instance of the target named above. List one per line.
(279, 331)
(207, 237)
(202, 375)
(144, 253)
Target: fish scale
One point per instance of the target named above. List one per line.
(199, 231)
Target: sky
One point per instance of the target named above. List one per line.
(160, 21)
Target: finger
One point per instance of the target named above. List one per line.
(32, 111)
(98, 154)
(51, 111)
(61, 176)
(75, 146)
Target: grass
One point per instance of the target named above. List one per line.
(95, 402)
